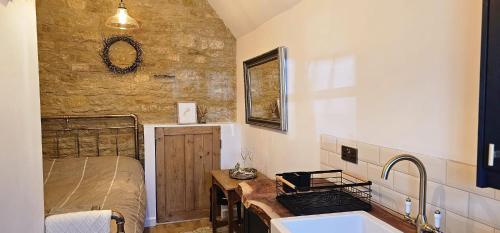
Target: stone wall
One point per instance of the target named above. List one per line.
(265, 89)
(181, 37)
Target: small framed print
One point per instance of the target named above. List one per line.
(186, 113)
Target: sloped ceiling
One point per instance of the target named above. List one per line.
(243, 16)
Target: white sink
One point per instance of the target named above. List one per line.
(348, 222)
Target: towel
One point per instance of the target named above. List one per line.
(97, 221)
(78, 208)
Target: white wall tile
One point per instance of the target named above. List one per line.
(458, 224)
(351, 178)
(406, 184)
(335, 161)
(447, 197)
(374, 173)
(456, 200)
(436, 194)
(435, 168)
(345, 142)
(324, 156)
(375, 193)
(359, 170)
(396, 201)
(388, 197)
(388, 153)
(484, 210)
(326, 167)
(328, 142)
(368, 152)
(463, 176)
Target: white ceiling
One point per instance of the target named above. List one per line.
(243, 16)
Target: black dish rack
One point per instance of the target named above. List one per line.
(321, 192)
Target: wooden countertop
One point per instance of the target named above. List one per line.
(259, 195)
(228, 183)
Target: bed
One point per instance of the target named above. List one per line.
(92, 163)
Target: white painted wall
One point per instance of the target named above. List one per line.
(401, 74)
(230, 155)
(21, 195)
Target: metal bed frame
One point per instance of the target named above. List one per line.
(133, 124)
(120, 221)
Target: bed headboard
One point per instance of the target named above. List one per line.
(87, 136)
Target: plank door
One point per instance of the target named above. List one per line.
(184, 158)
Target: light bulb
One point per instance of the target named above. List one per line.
(121, 19)
(122, 15)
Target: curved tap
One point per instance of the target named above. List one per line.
(421, 221)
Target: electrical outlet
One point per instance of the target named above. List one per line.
(350, 154)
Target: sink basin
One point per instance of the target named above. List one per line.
(348, 222)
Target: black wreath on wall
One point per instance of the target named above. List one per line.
(108, 42)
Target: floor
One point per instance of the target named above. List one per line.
(195, 226)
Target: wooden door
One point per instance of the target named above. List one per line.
(184, 158)
(488, 162)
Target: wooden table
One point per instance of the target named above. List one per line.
(221, 180)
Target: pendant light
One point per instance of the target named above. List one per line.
(121, 20)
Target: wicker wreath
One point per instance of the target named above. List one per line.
(108, 42)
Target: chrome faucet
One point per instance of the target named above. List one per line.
(421, 220)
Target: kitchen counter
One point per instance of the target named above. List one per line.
(259, 196)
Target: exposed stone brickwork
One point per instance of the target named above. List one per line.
(265, 87)
(181, 37)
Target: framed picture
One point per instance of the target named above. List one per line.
(186, 113)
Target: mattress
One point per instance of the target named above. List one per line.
(108, 182)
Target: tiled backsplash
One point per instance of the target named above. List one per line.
(450, 188)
